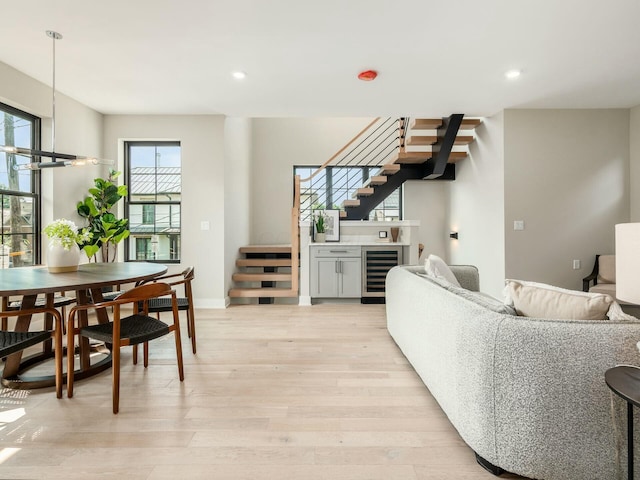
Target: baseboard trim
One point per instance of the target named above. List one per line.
(213, 303)
(304, 301)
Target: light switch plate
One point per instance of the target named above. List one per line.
(205, 225)
(518, 225)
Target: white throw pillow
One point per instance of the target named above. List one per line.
(437, 268)
(538, 300)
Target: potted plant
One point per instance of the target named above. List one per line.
(64, 251)
(106, 230)
(320, 227)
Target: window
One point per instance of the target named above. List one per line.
(153, 204)
(333, 185)
(19, 191)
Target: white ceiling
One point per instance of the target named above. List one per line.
(302, 57)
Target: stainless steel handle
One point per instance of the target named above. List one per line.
(338, 251)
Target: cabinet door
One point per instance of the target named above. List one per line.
(324, 277)
(350, 278)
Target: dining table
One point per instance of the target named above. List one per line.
(88, 283)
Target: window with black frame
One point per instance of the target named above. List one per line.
(153, 176)
(331, 186)
(19, 190)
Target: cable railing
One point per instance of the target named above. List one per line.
(351, 166)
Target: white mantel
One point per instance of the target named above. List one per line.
(363, 233)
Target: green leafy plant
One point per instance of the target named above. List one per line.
(106, 230)
(320, 222)
(65, 233)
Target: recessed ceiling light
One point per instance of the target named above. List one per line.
(239, 75)
(513, 74)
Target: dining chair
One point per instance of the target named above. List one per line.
(13, 342)
(59, 301)
(124, 331)
(159, 305)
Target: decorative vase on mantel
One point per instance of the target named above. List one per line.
(61, 260)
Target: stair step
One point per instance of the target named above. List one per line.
(351, 203)
(263, 262)
(422, 140)
(463, 140)
(364, 192)
(411, 157)
(470, 123)
(266, 249)
(261, 277)
(343, 214)
(262, 292)
(426, 123)
(389, 169)
(455, 157)
(376, 180)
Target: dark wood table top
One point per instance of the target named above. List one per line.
(34, 280)
(624, 380)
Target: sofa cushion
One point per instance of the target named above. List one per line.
(479, 298)
(607, 269)
(531, 299)
(435, 267)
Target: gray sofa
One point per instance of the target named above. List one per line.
(527, 395)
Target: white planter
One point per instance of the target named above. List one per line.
(321, 237)
(60, 260)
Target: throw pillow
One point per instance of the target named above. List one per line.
(538, 300)
(437, 268)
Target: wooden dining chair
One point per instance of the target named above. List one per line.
(159, 305)
(14, 342)
(123, 331)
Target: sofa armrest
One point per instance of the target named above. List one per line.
(593, 277)
(468, 276)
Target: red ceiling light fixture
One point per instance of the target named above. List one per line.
(367, 75)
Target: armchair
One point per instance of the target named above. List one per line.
(603, 276)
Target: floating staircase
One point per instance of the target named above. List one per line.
(437, 162)
(267, 265)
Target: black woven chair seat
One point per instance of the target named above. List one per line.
(163, 304)
(135, 328)
(12, 342)
(58, 301)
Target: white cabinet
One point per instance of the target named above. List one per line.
(336, 272)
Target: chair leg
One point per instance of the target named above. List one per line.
(135, 354)
(176, 333)
(116, 377)
(191, 319)
(145, 349)
(71, 348)
(57, 336)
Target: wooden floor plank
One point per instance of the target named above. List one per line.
(275, 391)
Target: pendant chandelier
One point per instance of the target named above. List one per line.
(57, 159)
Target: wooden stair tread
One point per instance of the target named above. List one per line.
(463, 140)
(389, 169)
(422, 140)
(343, 214)
(426, 123)
(364, 192)
(351, 203)
(263, 262)
(261, 277)
(266, 249)
(411, 157)
(376, 180)
(262, 292)
(470, 123)
(456, 156)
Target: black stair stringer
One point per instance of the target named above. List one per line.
(406, 172)
(441, 150)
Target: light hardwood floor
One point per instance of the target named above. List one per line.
(275, 392)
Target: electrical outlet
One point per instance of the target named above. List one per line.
(576, 264)
(518, 225)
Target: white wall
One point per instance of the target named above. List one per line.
(78, 131)
(237, 191)
(634, 156)
(566, 176)
(203, 172)
(428, 202)
(477, 206)
(278, 145)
